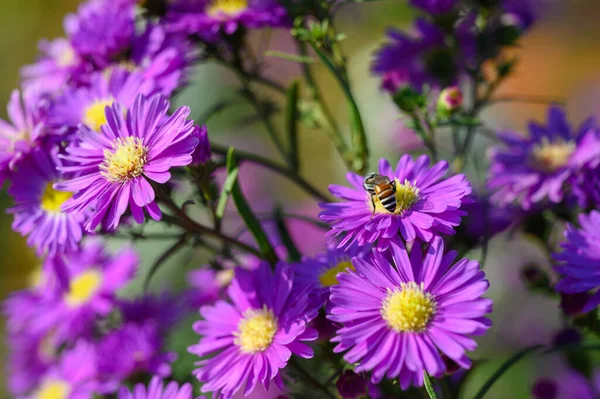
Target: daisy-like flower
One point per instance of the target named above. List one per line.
(253, 337)
(399, 317)
(86, 105)
(580, 259)
(157, 390)
(116, 166)
(24, 132)
(90, 279)
(207, 18)
(426, 204)
(529, 170)
(37, 211)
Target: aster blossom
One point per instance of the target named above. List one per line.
(530, 170)
(253, 337)
(398, 317)
(157, 390)
(117, 165)
(426, 204)
(580, 258)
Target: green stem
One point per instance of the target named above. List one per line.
(310, 379)
(429, 386)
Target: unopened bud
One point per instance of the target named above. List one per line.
(351, 385)
(449, 101)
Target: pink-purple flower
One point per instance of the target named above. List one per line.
(400, 312)
(157, 389)
(253, 337)
(426, 205)
(117, 165)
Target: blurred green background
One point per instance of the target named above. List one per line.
(560, 58)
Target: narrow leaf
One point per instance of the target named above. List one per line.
(286, 237)
(291, 118)
(226, 192)
(247, 215)
(172, 250)
(302, 59)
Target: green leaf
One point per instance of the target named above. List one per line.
(226, 191)
(248, 215)
(291, 118)
(504, 368)
(286, 237)
(302, 59)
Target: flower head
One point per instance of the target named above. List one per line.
(157, 390)
(207, 18)
(534, 169)
(399, 317)
(201, 154)
(37, 211)
(118, 164)
(435, 7)
(425, 204)
(568, 384)
(253, 337)
(580, 259)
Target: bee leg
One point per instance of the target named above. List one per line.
(373, 203)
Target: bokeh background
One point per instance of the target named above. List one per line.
(560, 59)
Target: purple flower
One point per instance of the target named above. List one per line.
(486, 219)
(86, 105)
(73, 377)
(37, 211)
(206, 285)
(426, 205)
(397, 317)
(157, 390)
(25, 130)
(201, 154)
(133, 348)
(534, 169)
(519, 13)
(567, 385)
(207, 18)
(116, 165)
(580, 259)
(253, 337)
(164, 310)
(435, 6)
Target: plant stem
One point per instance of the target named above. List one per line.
(282, 170)
(429, 386)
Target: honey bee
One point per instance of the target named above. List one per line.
(383, 188)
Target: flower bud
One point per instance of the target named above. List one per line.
(351, 385)
(449, 101)
(573, 304)
(201, 154)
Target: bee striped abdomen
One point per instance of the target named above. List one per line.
(387, 197)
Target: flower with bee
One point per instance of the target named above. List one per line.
(414, 201)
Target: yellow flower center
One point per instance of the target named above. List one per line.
(548, 156)
(53, 390)
(66, 57)
(329, 276)
(407, 308)
(228, 8)
(256, 330)
(406, 195)
(35, 277)
(52, 199)
(126, 161)
(94, 116)
(83, 287)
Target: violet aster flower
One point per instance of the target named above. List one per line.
(25, 130)
(157, 390)
(201, 154)
(426, 204)
(165, 310)
(398, 317)
(435, 6)
(86, 105)
(253, 337)
(533, 169)
(580, 259)
(207, 18)
(569, 384)
(117, 164)
(37, 211)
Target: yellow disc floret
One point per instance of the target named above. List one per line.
(52, 199)
(329, 276)
(256, 330)
(83, 287)
(548, 156)
(94, 116)
(55, 389)
(126, 161)
(228, 8)
(406, 195)
(408, 308)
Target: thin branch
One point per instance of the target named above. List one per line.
(527, 98)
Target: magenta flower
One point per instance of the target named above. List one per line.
(529, 170)
(37, 211)
(117, 165)
(201, 154)
(399, 317)
(580, 259)
(426, 205)
(253, 337)
(157, 390)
